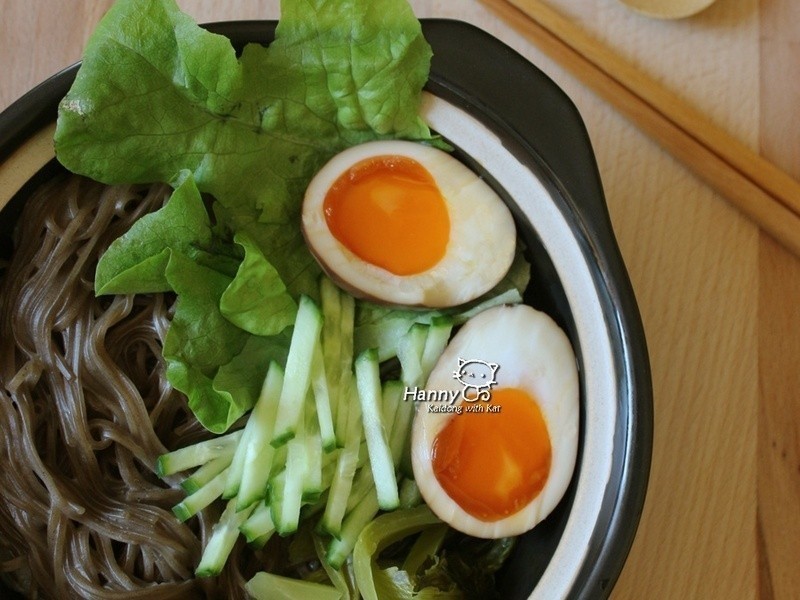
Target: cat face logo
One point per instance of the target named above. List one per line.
(477, 377)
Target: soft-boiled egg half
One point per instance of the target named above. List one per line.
(403, 223)
(494, 454)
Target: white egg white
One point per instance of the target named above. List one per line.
(533, 354)
(479, 252)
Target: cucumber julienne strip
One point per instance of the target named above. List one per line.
(207, 472)
(340, 548)
(196, 454)
(322, 399)
(222, 539)
(368, 383)
(259, 523)
(236, 469)
(307, 328)
(345, 368)
(346, 467)
(400, 436)
(259, 454)
(363, 484)
(391, 399)
(409, 351)
(312, 482)
(438, 335)
(286, 506)
(331, 352)
(339, 492)
(204, 496)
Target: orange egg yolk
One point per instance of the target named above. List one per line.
(494, 463)
(389, 212)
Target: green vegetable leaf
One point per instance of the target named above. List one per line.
(243, 376)
(257, 300)
(151, 84)
(200, 340)
(137, 261)
(157, 95)
(351, 63)
(393, 583)
(471, 563)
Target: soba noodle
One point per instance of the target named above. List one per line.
(84, 412)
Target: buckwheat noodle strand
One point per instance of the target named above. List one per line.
(85, 410)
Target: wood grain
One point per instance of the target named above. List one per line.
(779, 322)
(779, 427)
(717, 297)
(765, 193)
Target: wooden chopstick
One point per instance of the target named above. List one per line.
(762, 191)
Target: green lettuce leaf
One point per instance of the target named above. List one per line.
(342, 86)
(257, 300)
(137, 261)
(243, 376)
(219, 366)
(200, 340)
(157, 96)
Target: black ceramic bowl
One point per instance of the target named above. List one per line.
(512, 124)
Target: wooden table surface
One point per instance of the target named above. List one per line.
(718, 297)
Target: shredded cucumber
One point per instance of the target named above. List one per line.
(380, 456)
(258, 524)
(207, 472)
(204, 496)
(260, 542)
(409, 352)
(322, 400)
(312, 483)
(391, 398)
(307, 328)
(331, 341)
(346, 326)
(220, 544)
(325, 436)
(259, 454)
(346, 467)
(288, 494)
(236, 468)
(435, 343)
(196, 454)
(363, 484)
(340, 548)
(398, 414)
